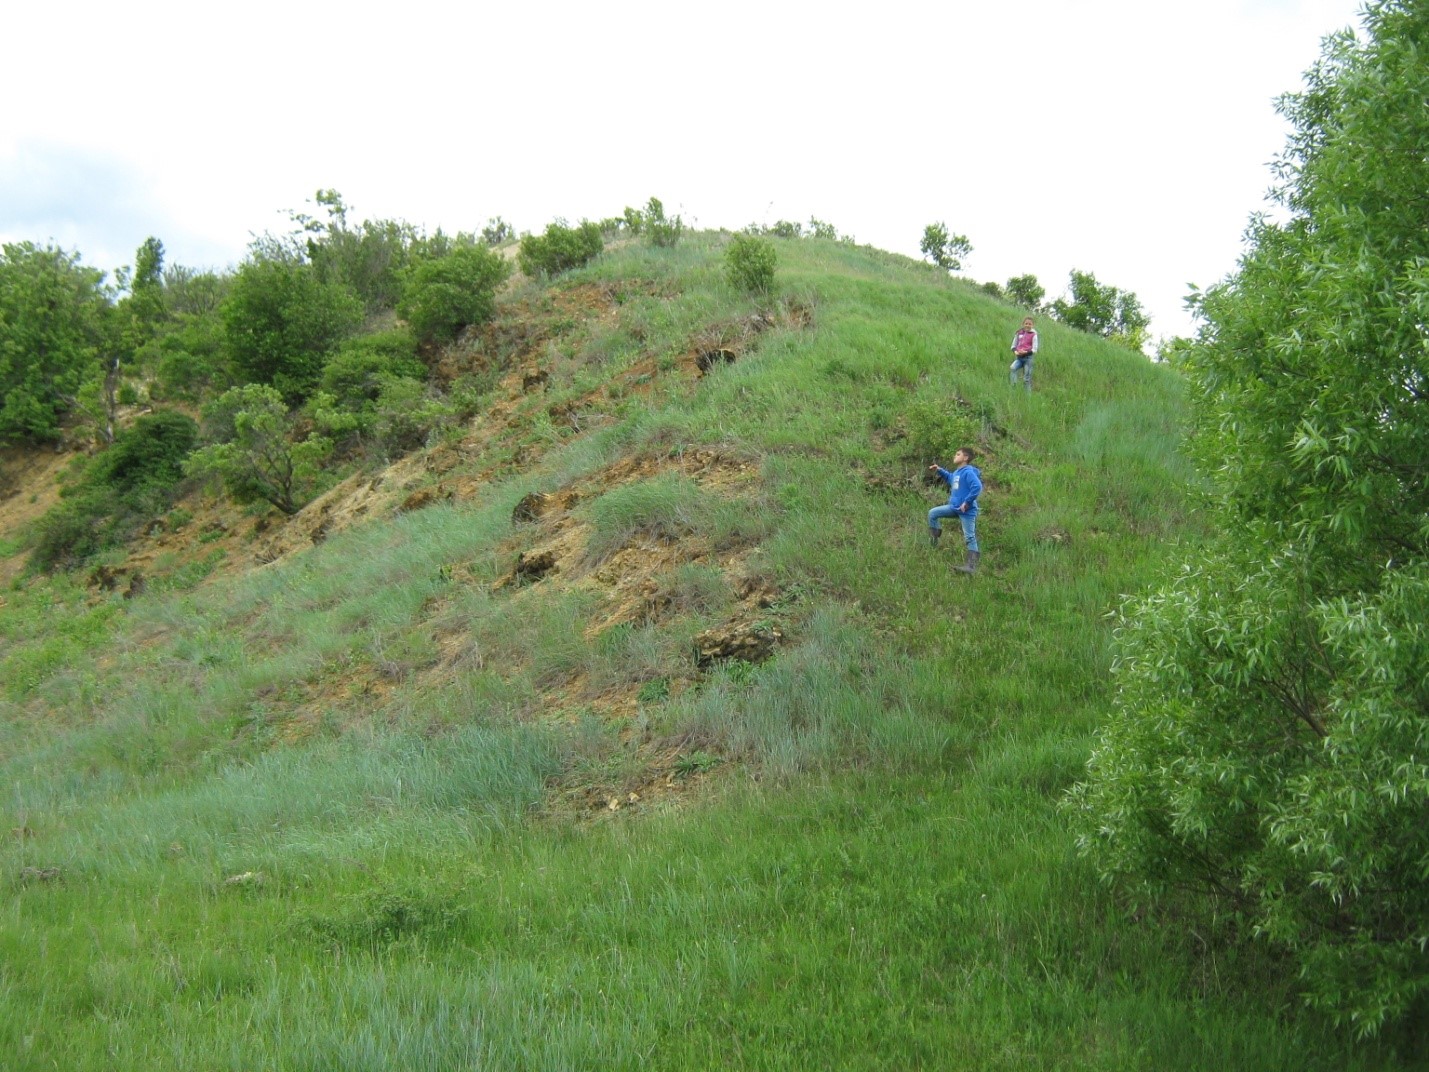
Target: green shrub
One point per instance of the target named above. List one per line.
(662, 231)
(443, 295)
(406, 413)
(750, 262)
(560, 249)
(371, 257)
(352, 375)
(121, 488)
(53, 312)
(149, 453)
(190, 292)
(189, 359)
(72, 531)
(937, 428)
(1267, 744)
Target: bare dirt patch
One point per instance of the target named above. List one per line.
(29, 487)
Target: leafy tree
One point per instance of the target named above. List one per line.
(135, 322)
(54, 335)
(1268, 745)
(750, 262)
(282, 320)
(1024, 290)
(445, 294)
(254, 454)
(144, 310)
(822, 229)
(560, 248)
(944, 249)
(1102, 310)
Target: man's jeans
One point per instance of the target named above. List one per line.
(969, 522)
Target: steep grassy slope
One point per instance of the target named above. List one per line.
(448, 771)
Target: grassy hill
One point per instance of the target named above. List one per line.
(461, 767)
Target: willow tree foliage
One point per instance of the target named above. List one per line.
(1270, 744)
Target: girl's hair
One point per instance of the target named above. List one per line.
(972, 454)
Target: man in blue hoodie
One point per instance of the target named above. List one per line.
(964, 486)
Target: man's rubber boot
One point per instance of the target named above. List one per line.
(971, 566)
(933, 535)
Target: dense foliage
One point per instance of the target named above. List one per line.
(560, 248)
(53, 336)
(442, 295)
(1271, 743)
(370, 258)
(282, 319)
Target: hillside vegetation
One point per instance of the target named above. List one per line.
(631, 722)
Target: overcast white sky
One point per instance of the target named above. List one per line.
(1122, 137)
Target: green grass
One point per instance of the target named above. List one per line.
(330, 814)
